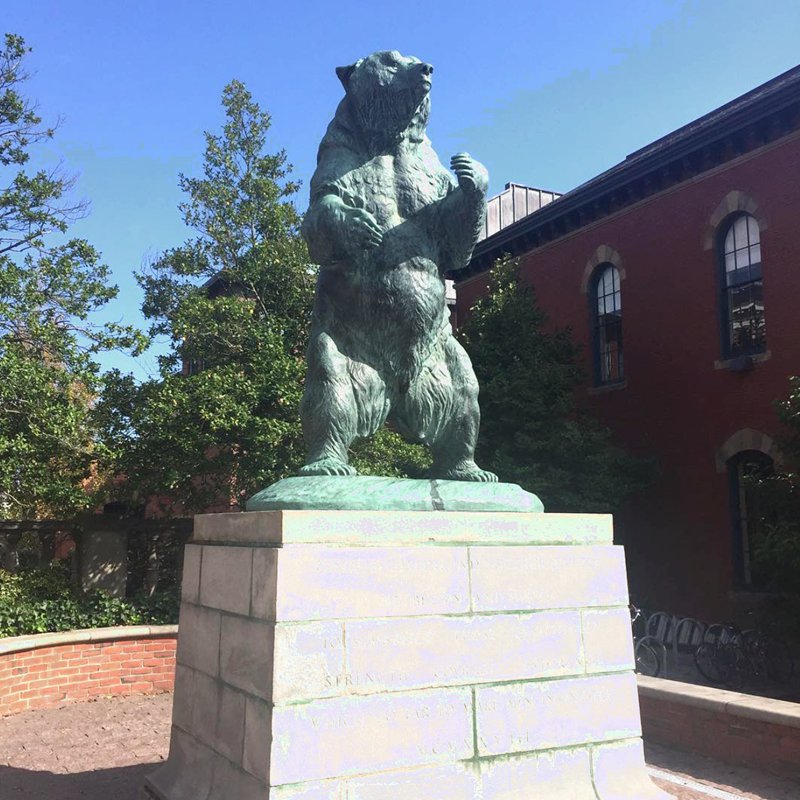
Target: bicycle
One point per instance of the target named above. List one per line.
(768, 656)
(645, 648)
(736, 658)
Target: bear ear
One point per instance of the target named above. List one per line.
(344, 73)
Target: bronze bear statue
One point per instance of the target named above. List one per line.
(386, 222)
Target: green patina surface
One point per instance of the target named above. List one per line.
(371, 493)
(386, 222)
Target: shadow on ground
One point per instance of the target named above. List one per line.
(737, 780)
(117, 783)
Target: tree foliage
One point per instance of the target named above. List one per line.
(49, 289)
(532, 432)
(43, 599)
(775, 538)
(221, 420)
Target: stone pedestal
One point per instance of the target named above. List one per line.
(404, 656)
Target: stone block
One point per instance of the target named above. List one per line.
(607, 639)
(351, 735)
(309, 661)
(522, 717)
(187, 774)
(323, 790)
(205, 709)
(103, 561)
(233, 527)
(451, 782)
(395, 654)
(229, 733)
(527, 578)
(228, 782)
(265, 580)
(183, 702)
(318, 582)
(246, 655)
(257, 738)
(620, 773)
(225, 582)
(199, 638)
(413, 528)
(190, 579)
(556, 775)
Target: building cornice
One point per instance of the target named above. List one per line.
(758, 118)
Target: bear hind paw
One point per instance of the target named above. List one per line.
(467, 471)
(328, 466)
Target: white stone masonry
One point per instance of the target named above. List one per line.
(385, 656)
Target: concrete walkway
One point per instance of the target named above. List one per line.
(102, 749)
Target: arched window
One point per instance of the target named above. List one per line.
(746, 515)
(743, 327)
(607, 324)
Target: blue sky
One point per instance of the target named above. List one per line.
(544, 93)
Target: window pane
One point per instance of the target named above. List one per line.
(739, 277)
(610, 348)
(606, 283)
(608, 325)
(746, 318)
(740, 232)
(729, 246)
(742, 299)
(753, 233)
(742, 258)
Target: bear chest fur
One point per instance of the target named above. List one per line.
(397, 187)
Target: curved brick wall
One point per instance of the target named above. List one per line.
(758, 732)
(51, 668)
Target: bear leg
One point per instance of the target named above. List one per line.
(441, 409)
(327, 411)
(343, 399)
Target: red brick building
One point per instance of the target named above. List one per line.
(678, 271)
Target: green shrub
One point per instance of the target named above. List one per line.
(42, 600)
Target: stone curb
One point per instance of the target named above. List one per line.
(735, 704)
(16, 644)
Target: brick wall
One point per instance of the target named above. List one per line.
(743, 729)
(676, 405)
(46, 670)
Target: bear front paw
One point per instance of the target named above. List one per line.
(471, 174)
(363, 227)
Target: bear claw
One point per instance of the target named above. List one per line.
(469, 471)
(328, 466)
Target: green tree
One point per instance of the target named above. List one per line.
(49, 289)
(775, 537)
(222, 418)
(532, 432)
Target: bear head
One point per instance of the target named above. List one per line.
(388, 95)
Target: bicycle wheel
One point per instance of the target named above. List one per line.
(734, 666)
(707, 662)
(779, 661)
(647, 660)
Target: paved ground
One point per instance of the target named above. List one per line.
(101, 750)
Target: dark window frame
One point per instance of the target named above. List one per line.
(608, 365)
(750, 280)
